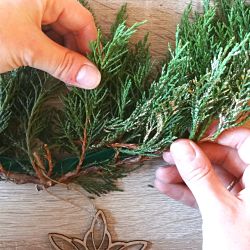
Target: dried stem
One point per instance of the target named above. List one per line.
(45, 181)
(49, 159)
(116, 157)
(124, 145)
(18, 178)
(71, 175)
(83, 151)
(38, 161)
(40, 171)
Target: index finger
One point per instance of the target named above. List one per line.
(71, 18)
(239, 139)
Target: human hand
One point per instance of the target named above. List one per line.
(225, 215)
(69, 28)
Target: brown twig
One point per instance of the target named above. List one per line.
(73, 174)
(18, 178)
(49, 159)
(83, 151)
(38, 161)
(117, 155)
(124, 145)
(39, 168)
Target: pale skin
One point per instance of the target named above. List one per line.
(60, 50)
(198, 176)
(54, 36)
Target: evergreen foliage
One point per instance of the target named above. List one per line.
(136, 111)
(6, 98)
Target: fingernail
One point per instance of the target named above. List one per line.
(167, 157)
(183, 150)
(88, 77)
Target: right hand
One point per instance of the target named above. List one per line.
(192, 180)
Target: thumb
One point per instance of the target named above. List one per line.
(197, 172)
(66, 65)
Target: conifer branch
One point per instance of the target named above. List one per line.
(136, 112)
(48, 157)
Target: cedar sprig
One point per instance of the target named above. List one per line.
(7, 92)
(137, 111)
(30, 111)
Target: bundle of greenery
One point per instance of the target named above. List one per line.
(91, 137)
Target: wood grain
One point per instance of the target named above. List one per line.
(162, 16)
(138, 213)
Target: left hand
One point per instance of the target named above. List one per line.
(68, 29)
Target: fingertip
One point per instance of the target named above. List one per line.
(168, 175)
(160, 173)
(178, 192)
(156, 185)
(183, 150)
(197, 172)
(233, 137)
(244, 150)
(88, 77)
(239, 139)
(167, 157)
(160, 186)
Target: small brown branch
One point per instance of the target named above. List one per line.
(124, 145)
(83, 152)
(39, 174)
(66, 178)
(116, 157)
(49, 159)
(38, 161)
(18, 178)
(73, 174)
(39, 168)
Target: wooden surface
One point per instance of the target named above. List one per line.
(139, 213)
(162, 16)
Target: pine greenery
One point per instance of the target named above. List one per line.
(6, 99)
(137, 111)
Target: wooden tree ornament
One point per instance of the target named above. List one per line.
(97, 237)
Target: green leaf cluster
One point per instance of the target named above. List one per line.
(137, 110)
(7, 90)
